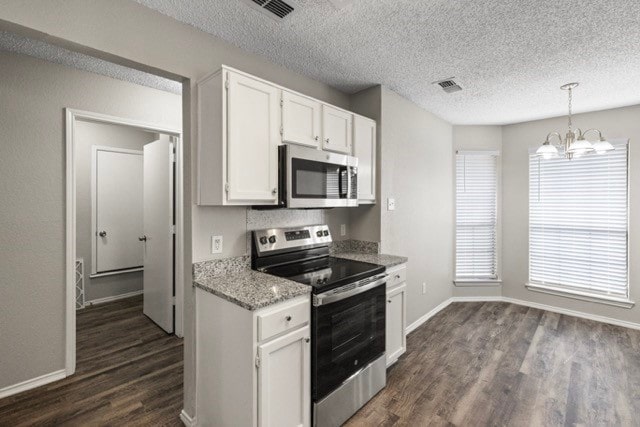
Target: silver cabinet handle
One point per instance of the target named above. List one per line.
(326, 140)
(288, 318)
(274, 191)
(316, 138)
(389, 301)
(102, 233)
(307, 339)
(143, 238)
(397, 276)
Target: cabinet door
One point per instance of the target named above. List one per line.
(336, 129)
(300, 120)
(253, 134)
(395, 333)
(284, 381)
(364, 148)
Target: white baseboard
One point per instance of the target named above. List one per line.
(581, 314)
(412, 327)
(32, 383)
(113, 298)
(477, 299)
(187, 420)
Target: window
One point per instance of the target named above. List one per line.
(476, 216)
(578, 224)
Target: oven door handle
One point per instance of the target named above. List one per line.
(333, 296)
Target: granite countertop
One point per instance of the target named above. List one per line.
(380, 259)
(251, 289)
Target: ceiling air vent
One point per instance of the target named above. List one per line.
(448, 85)
(274, 9)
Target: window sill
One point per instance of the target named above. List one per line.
(477, 282)
(583, 296)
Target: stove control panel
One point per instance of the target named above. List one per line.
(274, 240)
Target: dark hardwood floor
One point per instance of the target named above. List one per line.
(499, 364)
(129, 372)
(474, 364)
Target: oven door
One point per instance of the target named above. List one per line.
(347, 334)
(318, 179)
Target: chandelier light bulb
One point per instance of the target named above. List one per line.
(602, 146)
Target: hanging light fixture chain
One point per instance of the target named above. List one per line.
(570, 99)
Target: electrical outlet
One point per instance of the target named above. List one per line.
(424, 288)
(391, 204)
(216, 244)
(343, 229)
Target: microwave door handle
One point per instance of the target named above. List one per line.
(348, 183)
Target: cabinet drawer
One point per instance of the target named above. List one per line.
(397, 275)
(274, 322)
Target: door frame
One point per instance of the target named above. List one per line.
(71, 117)
(94, 205)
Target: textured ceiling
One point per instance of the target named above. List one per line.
(14, 43)
(510, 56)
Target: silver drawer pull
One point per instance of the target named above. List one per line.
(288, 318)
(389, 301)
(397, 276)
(307, 339)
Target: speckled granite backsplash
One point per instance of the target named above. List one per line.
(218, 267)
(352, 245)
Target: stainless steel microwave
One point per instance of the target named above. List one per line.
(311, 178)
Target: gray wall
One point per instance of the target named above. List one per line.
(33, 94)
(130, 34)
(480, 138)
(417, 155)
(517, 139)
(87, 135)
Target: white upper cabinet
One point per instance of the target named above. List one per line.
(238, 137)
(300, 119)
(364, 148)
(336, 129)
(243, 119)
(252, 140)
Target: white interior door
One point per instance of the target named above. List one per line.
(117, 209)
(158, 207)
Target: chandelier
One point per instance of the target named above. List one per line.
(575, 142)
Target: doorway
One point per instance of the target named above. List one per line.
(136, 230)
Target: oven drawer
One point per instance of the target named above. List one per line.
(397, 275)
(281, 319)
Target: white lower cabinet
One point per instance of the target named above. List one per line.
(284, 390)
(396, 323)
(253, 368)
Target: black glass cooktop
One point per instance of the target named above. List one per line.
(326, 273)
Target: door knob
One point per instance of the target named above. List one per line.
(102, 234)
(143, 238)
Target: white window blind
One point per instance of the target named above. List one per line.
(578, 223)
(476, 215)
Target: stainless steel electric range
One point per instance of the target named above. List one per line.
(347, 317)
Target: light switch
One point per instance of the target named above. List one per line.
(391, 204)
